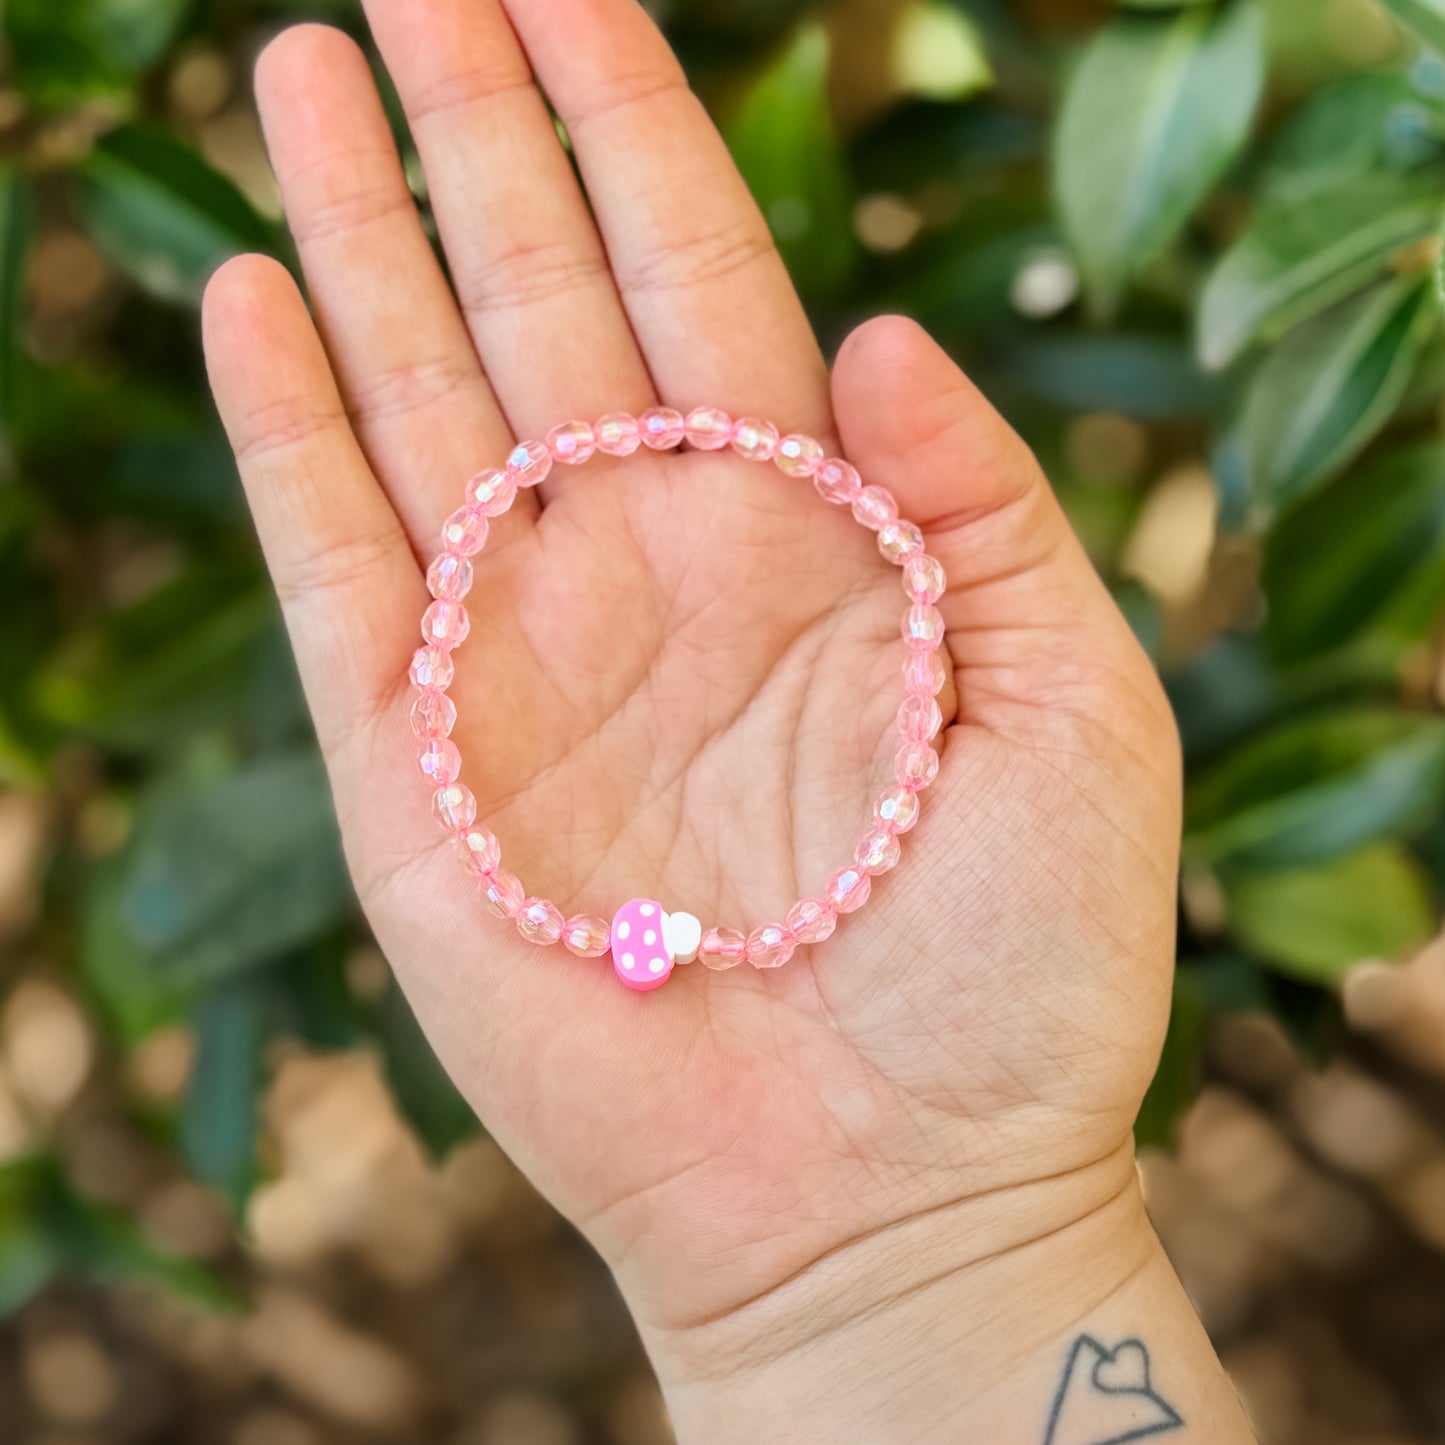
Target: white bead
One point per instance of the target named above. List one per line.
(682, 935)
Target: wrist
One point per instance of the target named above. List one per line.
(959, 1325)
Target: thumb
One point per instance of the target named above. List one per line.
(1021, 590)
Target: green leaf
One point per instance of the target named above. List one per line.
(1355, 127)
(427, 1096)
(162, 215)
(1315, 923)
(783, 142)
(1365, 553)
(15, 233)
(1295, 261)
(1318, 787)
(1425, 17)
(28, 1258)
(218, 1123)
(1176, 1079)
(1325, 391)
(226, 876)
(1157, 110)
(172, 662)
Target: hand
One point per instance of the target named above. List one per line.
(681, 682)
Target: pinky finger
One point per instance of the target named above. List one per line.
(348, 583)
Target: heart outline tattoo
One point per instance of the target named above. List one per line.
(1120, 1375)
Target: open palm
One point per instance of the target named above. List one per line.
(683, 670)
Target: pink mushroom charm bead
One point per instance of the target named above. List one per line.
(645, 941)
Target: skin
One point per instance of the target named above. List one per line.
(680, 683)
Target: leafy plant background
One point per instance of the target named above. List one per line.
(1193, 251)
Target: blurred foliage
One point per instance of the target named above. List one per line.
(1192, 249)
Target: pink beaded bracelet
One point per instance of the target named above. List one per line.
(645, 941)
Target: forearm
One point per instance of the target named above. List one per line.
(1078, 1336)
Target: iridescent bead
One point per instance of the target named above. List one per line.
(924, 673)
(449, 577)
(572, 443)
(502, 892)
(848, 889)
(445, 624)
(923, 626)
(439, 760)
(722, 948)
(529, 463)
(923, 578)
(433, 715)
(662, 428)
(798, 456)
(837, 481)
(754, 439)
(454, 806)
(464, 533)
(491, 492)
(478, 849)
(770, 946)
(811, 920)
(896, 810)
(586, 935)
(916, 765)
(432, 667)
(539, 920)
(875, 507)
(708, 428)
(877, 851)
(900, 540)
(618, 434)
(919, 719)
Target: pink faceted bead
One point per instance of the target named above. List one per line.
(877, 851)
(875, 507)
(919, 719)
(445, 624)
(923, 626)
(916, 765)
(798, 456)
(754, 439)
(770, 946)
(586, 935)
(449, 577)
(491, 492)
(618, 435)
(662, 428)
(529, 463)
(502, 892)
(454, 807)
(722, 948)
(896, 811)
(439, 760)
(848, 889)
(924, 674)
(433, 715)
(837, 481)
(923, 578)
(432, 667)
(811, 920)
(572, 443)
(478, 849)
(900, 540)
(464, 533)
(539, 920)
(708, 428)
